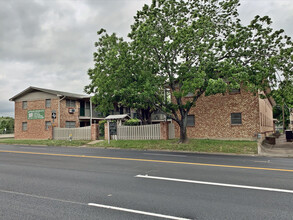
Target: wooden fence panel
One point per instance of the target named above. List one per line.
(83, 133)
(143, 132)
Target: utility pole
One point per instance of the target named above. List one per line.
(283, 112)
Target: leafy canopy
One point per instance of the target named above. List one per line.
(192, 47)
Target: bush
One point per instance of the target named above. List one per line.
(102, 127)
(132, 122)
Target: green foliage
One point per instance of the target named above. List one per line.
(102, 127)
(6, 125)
(196, 47)
(132, 122)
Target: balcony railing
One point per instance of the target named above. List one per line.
(83, 112)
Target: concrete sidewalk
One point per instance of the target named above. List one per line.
(6, 136)
(282, 148)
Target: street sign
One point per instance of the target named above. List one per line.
(53, 114)
(113, 128)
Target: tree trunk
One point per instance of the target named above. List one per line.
(183, 132)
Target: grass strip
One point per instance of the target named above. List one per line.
(194, 145)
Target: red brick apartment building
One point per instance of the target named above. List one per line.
(236, 115)
(34, 108)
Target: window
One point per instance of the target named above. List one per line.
(190, 120)
(234, 91)
(47, 125)
(48, 103)
(24, 126)
(236, 119)
(70, 124)
(70, 103)
(24, 105)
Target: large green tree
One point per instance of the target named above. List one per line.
(120, 78)
(198, 47)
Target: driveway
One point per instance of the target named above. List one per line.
(282, 148)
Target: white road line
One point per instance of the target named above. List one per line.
(94, 204)
(40, 197)
(216, 184)
(167, 155)
(136, 211)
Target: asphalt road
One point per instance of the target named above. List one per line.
(89, 183)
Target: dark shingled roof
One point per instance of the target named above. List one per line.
(50, 91)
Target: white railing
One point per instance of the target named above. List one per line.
(143, 132)
(83, 133)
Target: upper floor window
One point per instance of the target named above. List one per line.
(236, 118)
(190, 120)
(48, 103)
(24, 105)
(70, 103)
(234, 91)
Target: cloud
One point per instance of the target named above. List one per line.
(49, 43)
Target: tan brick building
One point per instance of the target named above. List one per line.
(35, 109)
(237, 115)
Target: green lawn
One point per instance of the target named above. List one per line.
(194, 145)
(44, 142)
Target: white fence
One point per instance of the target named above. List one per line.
(143, 132)
(83, 133)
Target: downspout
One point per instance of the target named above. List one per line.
(59, 109)
(91, 107)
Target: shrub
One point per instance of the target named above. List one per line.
(132, 122)
(102, 127)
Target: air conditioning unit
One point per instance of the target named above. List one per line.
(71, 110)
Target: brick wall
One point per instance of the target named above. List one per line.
(66, 116)
(164, 130)
(213, 117)
(265, 117)
(35, 127)
(95, 132)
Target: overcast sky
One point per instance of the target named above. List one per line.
(49, 43)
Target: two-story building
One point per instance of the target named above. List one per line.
(38, 109)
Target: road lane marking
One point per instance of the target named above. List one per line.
(93, 204)
(147, 160)
(40, 197)
(167, 155)
(215, 184)
(136, 211)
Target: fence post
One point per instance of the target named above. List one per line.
(164, 130)
(94, 132)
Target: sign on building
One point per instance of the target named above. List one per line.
(113, 128)
(36, 114)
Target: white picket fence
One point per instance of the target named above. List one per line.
(83, 133)
(142, 132)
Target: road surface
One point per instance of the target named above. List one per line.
(90, 183)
